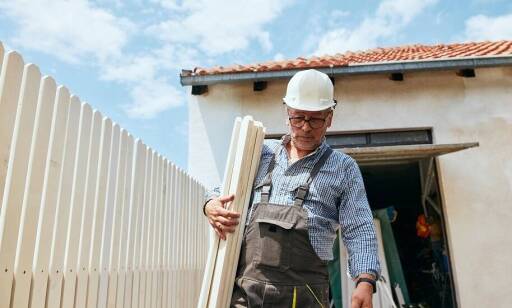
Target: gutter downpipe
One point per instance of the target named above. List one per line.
(377, 68)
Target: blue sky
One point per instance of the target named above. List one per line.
(124, 57)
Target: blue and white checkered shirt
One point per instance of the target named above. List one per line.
(336, 198)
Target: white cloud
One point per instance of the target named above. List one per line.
(182, 128)
(69, 30)
(278, 57)
(151, 97)
(217, 28)
(482, 27)
(168, 4)
(132, 68)
(388, 19)
(95, 34)
(80, 32)
(339, 14)
(151, 94)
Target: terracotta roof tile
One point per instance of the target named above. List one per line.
(377, 55)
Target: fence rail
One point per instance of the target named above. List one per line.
(89, 215)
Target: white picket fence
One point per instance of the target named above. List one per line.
(89, 216)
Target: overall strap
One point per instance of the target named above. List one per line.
(267, 181)
(302, 191)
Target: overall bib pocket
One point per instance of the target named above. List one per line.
(274, 243)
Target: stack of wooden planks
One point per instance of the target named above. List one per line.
(241, 167)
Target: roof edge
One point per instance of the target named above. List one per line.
(373, 68)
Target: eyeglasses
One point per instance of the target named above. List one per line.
(313, 122)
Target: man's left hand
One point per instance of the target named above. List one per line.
(362, 296)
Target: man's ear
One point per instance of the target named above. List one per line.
(329, 118)
(286, 115)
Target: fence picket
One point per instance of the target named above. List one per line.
(16, 176)
(136, 198)
(84, 239)
(106, 232)
(99, 213)
(121, 264)
(1, 55)
(113, 260)
(63, 206)
(54, 161)
(77, 204)
(154, 240)
(32, 192)
(10, 84)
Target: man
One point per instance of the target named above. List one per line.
(302, 193)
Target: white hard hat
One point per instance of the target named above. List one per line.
(310, 90)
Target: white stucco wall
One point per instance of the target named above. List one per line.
(476, 183)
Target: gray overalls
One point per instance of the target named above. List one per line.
(278, 267)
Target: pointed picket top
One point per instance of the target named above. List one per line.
(1, 55)
(10, 84)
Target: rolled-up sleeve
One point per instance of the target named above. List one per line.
(356, 221)
(211, 193)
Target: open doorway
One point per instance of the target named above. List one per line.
(400, 175)
(422, 253)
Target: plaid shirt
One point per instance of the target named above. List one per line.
(336, 198)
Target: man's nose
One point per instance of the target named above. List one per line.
(307, 127)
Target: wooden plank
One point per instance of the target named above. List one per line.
(106, 231)
(10, 85)
(99, 213)
(172, 251)
(213, 238)
(161, 236)
(219, 293)
(149, 228)
(158, 268)
(217, 296)
(395, 152)
(1, 55)
(77, 204)
(234, 250)
(188, 244)
(62, 211)
(150, 282)
(144, 237)
(183, 233)
(138, 279)
(16, 175)
(156, 245)
(84, 242)
(150, 245)
(379, 299)
(54, 162)
(126, 210)
(33, 191)
(156, 296)
(195, 216)
(201, 238)
(136, 195)
(165, 235)
(118, 217)
(178, 249)
(255, 153)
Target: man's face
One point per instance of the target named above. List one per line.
(308, 138)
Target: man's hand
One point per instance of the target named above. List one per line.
(221, 219)
(362, 296)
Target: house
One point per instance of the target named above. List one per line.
(431, 128)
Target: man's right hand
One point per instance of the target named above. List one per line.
(221, 219)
